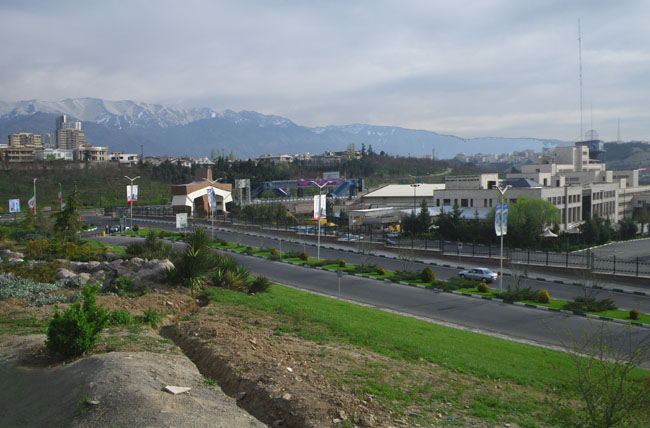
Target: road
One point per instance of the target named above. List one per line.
(624, 301)
(528, 325)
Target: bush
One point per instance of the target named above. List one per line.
(634, 314)
(342, 263)
(381, 271)
(248, 250)
(152, 248)
(37, 249)
(151, 317)
(543, 297)
(274, 251)
(122, 285)
(427, 275)
(259, 285)
(136, 228)
(483, 287)
(519, 295)
(303, 256)
(589, 304)
(119, 317)
(76, 330)
(223, 242)
(196, 262)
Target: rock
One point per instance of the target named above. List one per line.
(92, 402)
(98, 276)
(414, 415)
(289, 369)
(84, 277)
(8, 254)
(175, 390)
(93, 266)
(65, 274)
(136, 261)
(343, 415)
(368, 420)
(240, 395)
(16, 261)
(286, 396)
(116, 263)
(336, 421)
(78, 266)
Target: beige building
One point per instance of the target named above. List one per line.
(21, 147)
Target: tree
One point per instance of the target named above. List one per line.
(450, 224)
(527, 218)
(603, 375)
(424, 218)
(67, 222)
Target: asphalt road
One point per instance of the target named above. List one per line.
(623, 301)
(628, 250)
(504, 320)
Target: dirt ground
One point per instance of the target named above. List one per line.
(243, 373)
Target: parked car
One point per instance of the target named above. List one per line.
(479, 274)
(114, 228)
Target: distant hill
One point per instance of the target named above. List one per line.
(633, 155)
(126, 125)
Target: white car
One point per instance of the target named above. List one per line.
(479, 274)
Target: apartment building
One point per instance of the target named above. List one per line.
(21, 147)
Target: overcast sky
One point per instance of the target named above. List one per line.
(468, 68)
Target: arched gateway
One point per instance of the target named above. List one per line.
(193, 197)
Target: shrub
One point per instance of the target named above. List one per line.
(37, 248)
(634, 314)
(223, 242)
(76, 330)
(342, 263)
(119, 317)
(196, 262)
(303, 256)
(248, 250)
(152, 248)
(543, 297)
(151, 317)
(517, 295)
(589, 304)
(259, 285)
(427, 275)
(68, 249)
(381, 271)
(483, 287)
(122, 285)
(274, 251)
(136, 228)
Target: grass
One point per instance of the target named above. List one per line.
(101, 246)
(22, 326)
(323, 320)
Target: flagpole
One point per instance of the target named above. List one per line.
(60, 197)
(34, 196)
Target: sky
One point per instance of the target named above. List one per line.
(503, 68)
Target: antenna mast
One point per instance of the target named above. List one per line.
(580, 74)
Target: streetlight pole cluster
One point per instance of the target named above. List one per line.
(320, 188)
(130, 196)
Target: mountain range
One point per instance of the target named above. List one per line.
(128, 126)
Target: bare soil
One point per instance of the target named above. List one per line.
(243, 372)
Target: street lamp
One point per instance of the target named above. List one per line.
(131, 196)
(502, 191)
(213, 208)
(320, 188)
(414, 186)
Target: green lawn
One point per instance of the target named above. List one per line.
(322, 320)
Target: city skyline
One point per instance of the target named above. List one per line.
(499, 68)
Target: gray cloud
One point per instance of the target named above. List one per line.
(493, 67)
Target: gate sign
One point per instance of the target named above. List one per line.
(14, 205)
(501, 219)
(181, 220)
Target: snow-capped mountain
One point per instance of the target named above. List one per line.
(127, 125)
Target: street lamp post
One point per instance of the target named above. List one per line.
(131, 196)
(414, 186)
(502, 191)
(320, 188)
(213, 208)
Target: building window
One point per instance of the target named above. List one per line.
(464, 203)
(437, 202)
(446, 202)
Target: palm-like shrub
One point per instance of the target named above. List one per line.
(259, 285)
(196, 263)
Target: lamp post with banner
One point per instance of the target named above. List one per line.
(501, 227)
(131, 195)
(212, 201)
(320, 206)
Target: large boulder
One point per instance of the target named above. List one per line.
(65, 274)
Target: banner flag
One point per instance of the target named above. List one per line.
(131, 194)
(211, 200)
(320, 204)
(60, 196)
(32, 202)
(501, 219)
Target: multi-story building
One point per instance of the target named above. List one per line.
(21, 147)
(69, 135)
